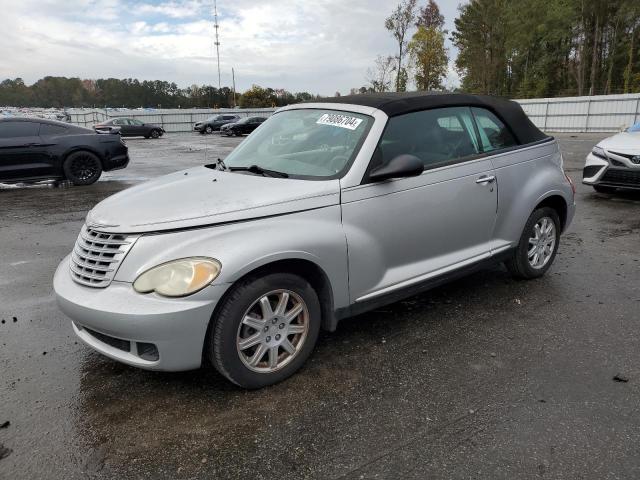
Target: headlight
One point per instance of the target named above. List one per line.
(599, 152)
(178, 278)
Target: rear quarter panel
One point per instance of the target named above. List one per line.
(105, 146)
(525, 178)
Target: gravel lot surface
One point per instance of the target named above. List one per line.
(486, 377)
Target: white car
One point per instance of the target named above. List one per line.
(614, 162)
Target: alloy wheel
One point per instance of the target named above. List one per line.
(542, 244)
(272, 331)
(83, 167)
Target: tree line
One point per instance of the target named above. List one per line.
(515, 48)
(59, 92)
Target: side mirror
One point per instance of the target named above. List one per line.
(399, 167)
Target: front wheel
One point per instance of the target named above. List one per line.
(82, 168)
(265, 330)
(208, 129)
(155, 134)
(538, 245)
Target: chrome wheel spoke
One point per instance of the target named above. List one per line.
(250, 341)
(257, 356)
(294, 312)
(255, 323)
(295, 328)
(282, 304)
(288, 347)
(273, 357)
(265, 306)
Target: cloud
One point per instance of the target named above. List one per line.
(320, 46)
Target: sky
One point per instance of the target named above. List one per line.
(321, 47)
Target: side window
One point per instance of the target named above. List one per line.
(120, 121)
(436, 136)
(47, 130)
(494, 134)
(18, 129)
(133, 121)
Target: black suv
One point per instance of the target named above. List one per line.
(213, 124)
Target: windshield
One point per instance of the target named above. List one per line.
(304, 143)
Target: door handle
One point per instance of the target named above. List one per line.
(483, 180)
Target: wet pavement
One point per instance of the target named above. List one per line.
(486, 377)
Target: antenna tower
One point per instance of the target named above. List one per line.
(217, 42)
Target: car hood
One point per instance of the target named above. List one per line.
(201, 196)
(625, 142)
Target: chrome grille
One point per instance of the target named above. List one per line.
(97, 255)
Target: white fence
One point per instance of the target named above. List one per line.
(600, 113)
(172, 120)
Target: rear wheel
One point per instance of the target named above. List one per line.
(602, 189)
(538, 245)
(265, 330)
(82, 168)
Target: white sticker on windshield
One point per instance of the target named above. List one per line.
(342, 121)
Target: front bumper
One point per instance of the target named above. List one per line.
(610, 173)
(121, 323)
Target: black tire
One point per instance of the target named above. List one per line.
(201, 132)
(82, 168)
(518, 265)
(155, 133)
(208, 129)
(221, 344)
(603, 189)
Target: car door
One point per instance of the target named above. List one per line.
(404, 231)
(22, 153)
(138, 128)
(125, 128)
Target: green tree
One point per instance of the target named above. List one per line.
(429, 58)
(398, 23)
(258, 97)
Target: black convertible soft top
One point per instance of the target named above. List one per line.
(394, 104)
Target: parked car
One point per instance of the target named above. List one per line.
(614, 162)
(326, 211)
(34, 149)
(213, 124)
(242, 127)
(131, 127)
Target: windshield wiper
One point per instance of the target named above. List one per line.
(265, 172)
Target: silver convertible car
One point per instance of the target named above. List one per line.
(327, 210)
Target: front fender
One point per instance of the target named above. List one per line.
(314, 235)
